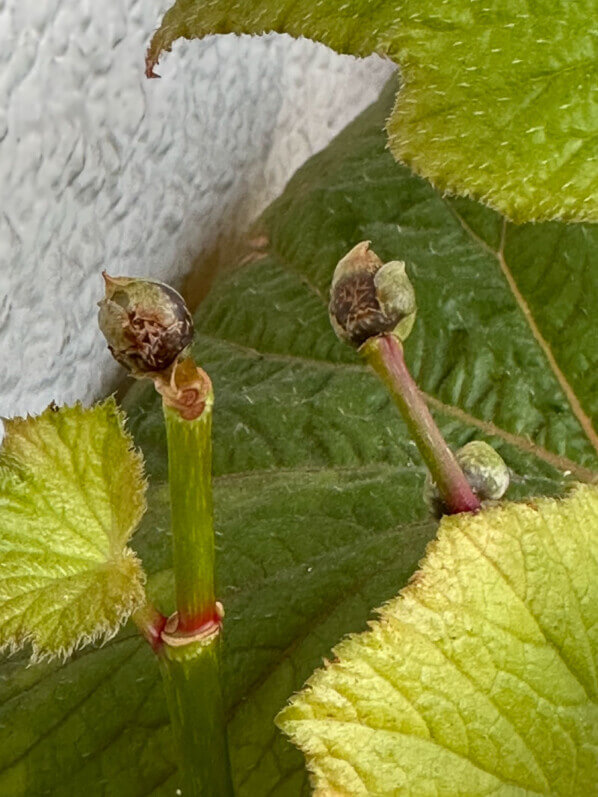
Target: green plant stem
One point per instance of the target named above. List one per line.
(191, 676)
(190, 479)
(190, 654)
(385, 355)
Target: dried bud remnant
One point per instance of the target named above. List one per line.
(369, 297)
(146, 323)
(188, 389)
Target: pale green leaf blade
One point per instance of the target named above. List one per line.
(480, 678)
(318, 488)
(71, 495)
(498, 102)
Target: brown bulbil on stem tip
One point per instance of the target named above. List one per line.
(146, 324)
(369, 297)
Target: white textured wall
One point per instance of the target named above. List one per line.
(100, 168)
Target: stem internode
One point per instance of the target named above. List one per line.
(384, 354)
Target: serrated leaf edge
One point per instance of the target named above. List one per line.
(416, 584)
(105, 631)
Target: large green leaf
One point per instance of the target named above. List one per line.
(71, 495)
(498, 100)
(318, 489)
(481, 677)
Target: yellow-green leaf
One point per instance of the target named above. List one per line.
(71, 495)
(498, 100)
(481, 677)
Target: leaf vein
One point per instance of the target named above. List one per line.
(574, 402)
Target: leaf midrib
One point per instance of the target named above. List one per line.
(524, 604)
(485, 695)
(424, 741)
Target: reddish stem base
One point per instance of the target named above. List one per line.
(385, 355)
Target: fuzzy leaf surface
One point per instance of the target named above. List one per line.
(498, 100)
(71, 495)
(318, 488)
(480, 678)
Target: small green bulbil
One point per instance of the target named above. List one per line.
(484, 469)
